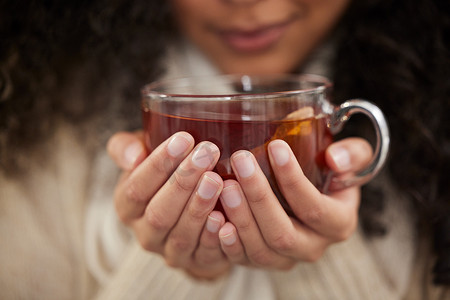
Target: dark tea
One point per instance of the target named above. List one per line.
(246, 112)
(308, 139)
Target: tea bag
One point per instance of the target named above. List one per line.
(301, 125)
(304, 115)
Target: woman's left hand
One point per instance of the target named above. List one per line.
(260, 233)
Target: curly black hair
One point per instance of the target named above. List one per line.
(393, 52)
(397, 53)
(43, 46)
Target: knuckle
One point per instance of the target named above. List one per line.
(261, 196)
(161, 165)
(261, 258)
(197, 214)
(313, 216)
(244, 225)
(290, 182)
(283, 243)
(133, 193)
(181, 183)
(178, 244)
(155, 220)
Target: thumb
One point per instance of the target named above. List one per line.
(348, 155)
(127, 149)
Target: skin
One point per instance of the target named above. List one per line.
(173, 215)
(308, 23)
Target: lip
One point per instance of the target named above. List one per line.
(258, 39)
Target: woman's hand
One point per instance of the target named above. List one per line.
(260, 233)
(168, 198)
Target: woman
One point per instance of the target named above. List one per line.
(78, 58)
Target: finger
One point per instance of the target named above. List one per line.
(209, 253)
(281, 233)
(127, 149)
(332, 217)
(264, 205)
(231, 244)
(165, 208)
(133, 193)
(348, 155)
(240, 215)
(185, 236)
(209, 259)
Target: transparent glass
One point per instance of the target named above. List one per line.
(247, 112)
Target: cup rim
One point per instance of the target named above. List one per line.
(323, 82)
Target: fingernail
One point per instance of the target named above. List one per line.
(208, 188)
(178, 145)
(341, 157)
(231, 196)
(228, 239)
(243, 164)
(280, 152)
(203, 155)
(132, 153)
(212, 224)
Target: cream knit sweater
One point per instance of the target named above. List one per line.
(61, 240)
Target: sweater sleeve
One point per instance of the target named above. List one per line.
(143, 275)
(105, 237)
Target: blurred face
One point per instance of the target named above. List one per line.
(257, 36)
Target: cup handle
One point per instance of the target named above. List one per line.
(338, 118)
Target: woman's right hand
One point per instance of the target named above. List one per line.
(168, 199)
